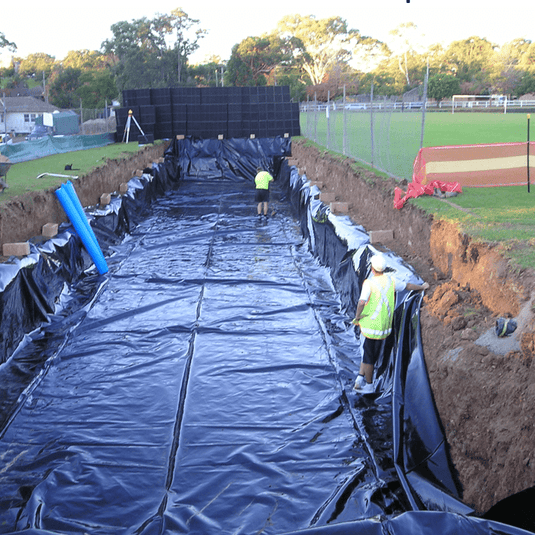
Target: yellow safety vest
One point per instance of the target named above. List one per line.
(262, 180)
(377, 314)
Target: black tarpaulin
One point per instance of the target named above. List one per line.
(204, 385)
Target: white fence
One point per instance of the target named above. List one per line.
(389, 105)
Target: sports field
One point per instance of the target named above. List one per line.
(502, 215)
(396, 136)
(474, 128)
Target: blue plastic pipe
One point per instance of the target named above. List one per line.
(69, 201)
(71, 192)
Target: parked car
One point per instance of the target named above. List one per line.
(38, 132)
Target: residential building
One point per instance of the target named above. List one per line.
(18, 114)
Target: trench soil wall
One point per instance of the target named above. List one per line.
(486, 400)
(24, 217)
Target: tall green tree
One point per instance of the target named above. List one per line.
(526, 84)
(443, 86)
(37, 63)
(187, 35)
(85, 60)
(527, 60)
(406, 46)
(324, 43)
(206, 75)
(63, 86)
(470, 59)
(96, 88)
(254, 59)
(152, 52)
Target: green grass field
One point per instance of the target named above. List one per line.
(397, 136)
(504, 216)
(474, 128)
(22, 177)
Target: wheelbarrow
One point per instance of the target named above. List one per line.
(4, 168)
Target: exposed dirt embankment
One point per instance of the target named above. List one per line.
(24, 217)
(484, 390)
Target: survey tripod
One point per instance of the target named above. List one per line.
(126, 133)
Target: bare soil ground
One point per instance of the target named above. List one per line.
(484, 386)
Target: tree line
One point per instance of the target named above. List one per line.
(317, 58)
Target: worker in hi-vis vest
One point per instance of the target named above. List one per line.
(374, 316)
(262, 180)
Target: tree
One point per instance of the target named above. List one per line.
(323, 43)
(143, 53)
(442, 86)
(368, 54)
(37, 63)
(295, 82)
(505, 73)
(405, 47)
(238, 73)
(185, 46)
(96, 88)
(526, 62)
(85, 60)
(526, 85)
(63, 86)
(205, 75)
(469, 59)
(4, 43)
(254, 59)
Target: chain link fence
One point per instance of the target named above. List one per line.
(384, 133)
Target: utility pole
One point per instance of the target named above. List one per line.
(44, 88)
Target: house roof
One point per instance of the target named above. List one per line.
(27, 105)
(36, 92)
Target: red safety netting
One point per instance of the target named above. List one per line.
(451, 168)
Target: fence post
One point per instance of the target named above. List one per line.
(315, 117)
(371, 122)
(327, 111)
(528, 150)
(81, 118)
(424, 104)
(344, 145)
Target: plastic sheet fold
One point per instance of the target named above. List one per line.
(204, 384)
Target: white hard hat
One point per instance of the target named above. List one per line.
(378, 263)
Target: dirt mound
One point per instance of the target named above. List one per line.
(483, 385)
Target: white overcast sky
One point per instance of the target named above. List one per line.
(58, 26)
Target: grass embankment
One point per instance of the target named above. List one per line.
(22, 177)
(501, 216)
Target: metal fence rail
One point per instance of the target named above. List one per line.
(409, 106)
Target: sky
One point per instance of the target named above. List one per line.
(59, 26)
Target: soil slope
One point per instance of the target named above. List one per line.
(484, 386)
(23, 217)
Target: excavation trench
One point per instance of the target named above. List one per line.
(238, 375)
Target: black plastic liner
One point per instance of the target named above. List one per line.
(204, 385)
